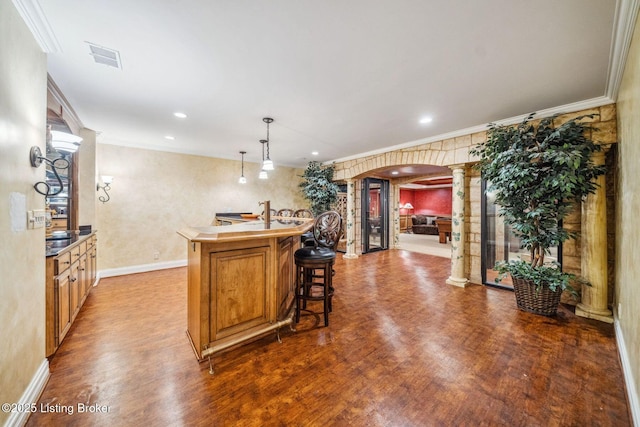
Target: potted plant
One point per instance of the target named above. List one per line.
(538, 173)
(318, 187)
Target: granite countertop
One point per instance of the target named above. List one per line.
(61, 240)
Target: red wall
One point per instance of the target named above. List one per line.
(374, 207)
(436, 201)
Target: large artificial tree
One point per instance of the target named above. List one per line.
(538, 173)
(318, 187)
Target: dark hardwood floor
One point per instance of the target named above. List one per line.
(402, 349)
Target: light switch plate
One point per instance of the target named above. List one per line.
(36, 218)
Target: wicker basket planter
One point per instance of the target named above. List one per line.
(544, 301)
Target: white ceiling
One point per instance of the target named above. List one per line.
(342, 77)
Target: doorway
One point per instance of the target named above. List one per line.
(375, 215)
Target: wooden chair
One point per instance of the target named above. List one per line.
(303, 213)
(285, 212)
(306, 238)
(314, 264)
(272, 212)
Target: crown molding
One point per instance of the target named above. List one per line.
(37, 22)
(563, 109)
(67, 112)
(623, 26)
(624, 22)
(411, 186)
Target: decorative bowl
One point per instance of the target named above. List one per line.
(249, 216)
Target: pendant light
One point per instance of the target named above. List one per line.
(267, 164)
(263, 172)
(242, 179)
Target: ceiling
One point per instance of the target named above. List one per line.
(338, 77)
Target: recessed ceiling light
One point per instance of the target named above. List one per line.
(395, 173)
(315, 153)
(180, 115)
(426, 120)
(169, 137)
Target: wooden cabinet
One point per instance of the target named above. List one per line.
(92, 258)
(241, 282)
(62, 306)
(287, 275)
(69, 277)
(239, 291)
(405, 223)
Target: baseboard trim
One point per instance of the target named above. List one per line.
(632, 393)
(31, 395)
(111, 272)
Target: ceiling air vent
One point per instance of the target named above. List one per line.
(106, 56)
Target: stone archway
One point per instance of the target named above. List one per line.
(454, 154)
(451, 153)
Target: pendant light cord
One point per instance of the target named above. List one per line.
(268, 141)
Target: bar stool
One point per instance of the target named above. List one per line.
(306, 238)
(314, 264)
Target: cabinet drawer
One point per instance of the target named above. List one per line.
(61, 263)
(76, 251)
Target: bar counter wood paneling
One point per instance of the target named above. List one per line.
(240, 281)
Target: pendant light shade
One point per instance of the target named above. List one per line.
(263, 172)
(242, 179)
(267, 164)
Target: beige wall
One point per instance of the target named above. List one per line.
(86, 159)
(23, 94)
(156, 193)
(627, 268)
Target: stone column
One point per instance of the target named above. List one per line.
(458, 257)
(395, 215)
(593, 235)
(351, 220)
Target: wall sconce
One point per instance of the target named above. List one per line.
(65, 143)
(36, 160)
(106, 187)
(242, 179)
(267, 164)
(263, 172)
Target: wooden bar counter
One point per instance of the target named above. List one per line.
(241, 281)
